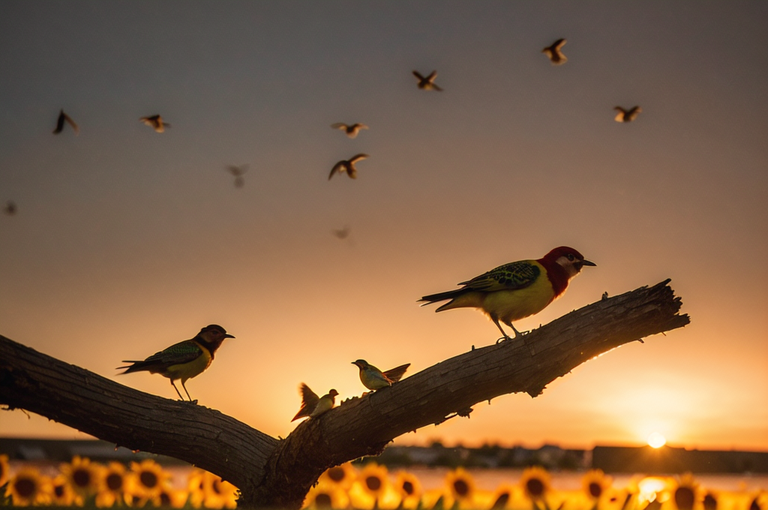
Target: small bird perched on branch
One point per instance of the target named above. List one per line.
(312, 405)
(623, 115)
(350, 129)
(374, 379)
(347, 165)
(156, 122)
(63, 117)
(427, 83)
(516, 290)
(183, 360)
(555, 55)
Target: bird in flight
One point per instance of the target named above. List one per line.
(312, 405)
(63, 117)
(156, 122)
(342, 233)
(10, 208)
(427, 83)
(351, 130)
(238, 172)
(374, 379)
(555, 55)
(347, 165)
(183, 360)
(623, 115)
(516, 290)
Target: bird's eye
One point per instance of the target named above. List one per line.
(570, 257)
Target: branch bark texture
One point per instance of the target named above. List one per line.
(278, 473)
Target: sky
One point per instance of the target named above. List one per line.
(125, 240)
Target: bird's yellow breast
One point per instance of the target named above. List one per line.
(190, 369)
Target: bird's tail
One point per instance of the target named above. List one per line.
(396, 373)
(441, 296)
(135, 366)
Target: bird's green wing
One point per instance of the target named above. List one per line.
(182, 352)
(515, 275)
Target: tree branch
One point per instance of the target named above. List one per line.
(271, 472)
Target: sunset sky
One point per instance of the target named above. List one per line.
(126, 240)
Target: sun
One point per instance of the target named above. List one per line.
(656, 440)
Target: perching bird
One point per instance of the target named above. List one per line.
(10, 208)
(553, 52)
(347, 165)
(63, 117)
(427, 83)
(351, 130)
(183, 360)
(238, 172)
(516, 290)
(155, 122)
(312, 405)
(374, 379)
(626, 115)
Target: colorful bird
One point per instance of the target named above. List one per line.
(63, 117)
(427, 83)
(374, 379)
(555, 55)
(183, 360)
(312, 405)
(347, 165)
(155, 122)
(623, 115)
(516, 290)
(351, 130)
(238, 172)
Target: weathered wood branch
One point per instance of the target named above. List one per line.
(278, 473)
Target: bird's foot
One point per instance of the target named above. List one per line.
(504, 338)
(193, 402)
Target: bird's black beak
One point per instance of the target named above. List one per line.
(230, 336)
(587, 263)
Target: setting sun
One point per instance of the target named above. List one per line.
(656, 440)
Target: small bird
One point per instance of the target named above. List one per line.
(63, 117)
(342, 233)
(351, 130)
(183, 360)
(516, 290)
(10, 208)
(155, 122)
(374, 379)
(555, 55)
(238, 172)
(626, 115)
(347, 165)
(312, 405)
(427, 83)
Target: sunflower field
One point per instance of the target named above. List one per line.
(147, 484)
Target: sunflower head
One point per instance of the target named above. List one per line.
(61, 491)
(535, 482)
(4, 470)
(148, 479)
(596, 483)
(341, 476)
(685, 492)
(373, 479)
(83, 476)
(326, 495)
(408, 487)
(461, 484)
(115, 485)
(28, 487)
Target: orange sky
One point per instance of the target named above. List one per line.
(127, 240)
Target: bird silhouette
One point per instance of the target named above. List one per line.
(555, 55)
(63, 117)
(10, 208)
(427, 83)
(347, 165)
(342, 233)
(156, 122)
(238, 172)
(183, 360)
(351, 130)
(374, 379)
(516, 290)
(623, 115)
(312, 405)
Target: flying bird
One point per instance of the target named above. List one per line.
(351, 130)
(516, 290)
(63, 117)
(10, 208)
(623, 115)
(347, 165)
(312, 405)
(156, 122)
(238, 172)
(342, 233)
(374, 379)
(183, 360)
(427, 83)
(555, 55)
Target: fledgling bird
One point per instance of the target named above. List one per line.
(156, 122)
(347, 165)
(10, 208)
(427, 83)
(374, 379)
(555, 55)
(350, 129)
(623, 115)
(516, 290)
(63, 117)
(312, 405)
(183, 360)
(238, 172)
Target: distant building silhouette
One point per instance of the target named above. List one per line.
(644, 459)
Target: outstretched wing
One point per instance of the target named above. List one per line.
(309, 400)
(512, 276)
(396, 373)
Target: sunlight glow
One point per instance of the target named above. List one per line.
(649, 488)
(656, 440)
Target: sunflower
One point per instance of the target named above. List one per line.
(83, 476)
(196, 487)
(408, 487)
(342, 476)
(4, 470)
(171, 498)
(115, 485)
(461, 485)
(208, 490)
(149, 480)
(29, 487)
(685, 492)
(535, 482)
(61, 491)
(596, 484)
(502, 497)
(373, 479)
(710, 501)
(326, 495)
